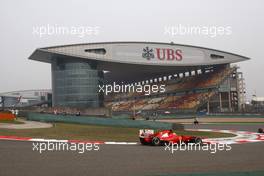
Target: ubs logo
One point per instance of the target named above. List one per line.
(162, 54)
(147, 53)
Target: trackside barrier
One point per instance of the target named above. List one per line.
(6, 116)
(100, 121)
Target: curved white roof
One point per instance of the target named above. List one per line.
(143, 53)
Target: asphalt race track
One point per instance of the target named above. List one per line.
(17, 158)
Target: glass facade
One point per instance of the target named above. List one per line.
(75, 83)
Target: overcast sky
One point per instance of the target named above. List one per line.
(120, 20)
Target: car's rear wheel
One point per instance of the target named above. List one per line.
(156, 141)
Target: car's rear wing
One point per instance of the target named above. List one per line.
(145, 132)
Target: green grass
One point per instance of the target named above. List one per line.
(92, 132)
(11, 121)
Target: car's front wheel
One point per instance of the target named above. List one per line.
(156, 141)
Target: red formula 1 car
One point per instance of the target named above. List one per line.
(148, 137)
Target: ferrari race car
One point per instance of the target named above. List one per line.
(148, 137)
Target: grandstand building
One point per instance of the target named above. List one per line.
(195, 78)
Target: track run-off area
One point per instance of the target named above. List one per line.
(135, 159)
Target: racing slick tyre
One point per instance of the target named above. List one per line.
(260, 130)
(198, 140)
(156, 141)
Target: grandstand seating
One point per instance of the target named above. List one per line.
(136, 101)
(188, 101)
